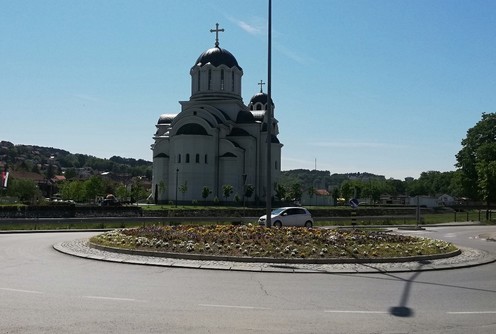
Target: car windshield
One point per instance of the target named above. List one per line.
(277, 211)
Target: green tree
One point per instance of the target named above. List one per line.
(227, 190)
(478, 149)
(336, 193)
(122, 193)
(295, 192)
(374, 189)
(280, 192)
(456, 185)
(205, 193)
(351, 188)
(25, 190)
(486, 171)
(311, 192)
(183, 188)
(162, 187)
(397, 187)
(50, 172)
(73, 190)
(70, 173)
(94, 187)
(249, 190)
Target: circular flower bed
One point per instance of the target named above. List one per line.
(258, 241)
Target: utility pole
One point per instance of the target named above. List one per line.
(268, 186)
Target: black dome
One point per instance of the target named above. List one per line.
(217, 56)
(260, 98)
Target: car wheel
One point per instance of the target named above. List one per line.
(277, 224)
(308, 224)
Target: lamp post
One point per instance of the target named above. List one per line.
(177, 186)
(268, 191)
(244, 188)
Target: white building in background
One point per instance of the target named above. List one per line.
(215, 139)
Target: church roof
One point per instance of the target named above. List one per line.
(245, 117)
(217, 56)
(260, 98)
(166, 118)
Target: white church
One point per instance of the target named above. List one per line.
(215, 140)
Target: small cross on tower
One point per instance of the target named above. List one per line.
(261, 83)
(217, 30)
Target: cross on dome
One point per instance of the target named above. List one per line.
(261, 83)
(217, 30)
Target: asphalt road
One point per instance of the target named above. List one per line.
(43, 291)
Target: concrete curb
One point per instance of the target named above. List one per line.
(468, 258)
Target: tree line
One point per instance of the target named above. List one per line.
(474, 178)
(49, 161)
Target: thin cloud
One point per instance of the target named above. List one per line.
(249, 28)
(295, 56)
(256, 26)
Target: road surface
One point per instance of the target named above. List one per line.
(43, 291)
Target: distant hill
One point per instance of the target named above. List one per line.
(322, 179)
(49, 160)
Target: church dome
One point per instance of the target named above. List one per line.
(260, 97)
(259, 102)
(217, 56)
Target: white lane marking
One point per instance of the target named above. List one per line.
(472, 312)
(235, 306)
(111, 298)
(23, 291)
(357, 312)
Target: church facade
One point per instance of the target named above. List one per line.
(215, 141)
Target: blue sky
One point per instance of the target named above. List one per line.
(388, 87)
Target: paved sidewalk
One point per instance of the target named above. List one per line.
(468, 258)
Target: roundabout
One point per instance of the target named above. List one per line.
(454, 258)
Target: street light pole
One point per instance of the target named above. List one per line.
(268, 186)
(244, 188)
(177, 186)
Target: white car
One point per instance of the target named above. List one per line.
(289, 216)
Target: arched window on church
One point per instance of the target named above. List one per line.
(197, 158)
(259, 106)
(187, 158)
(179, 158)
(206, 159)
(232, 81)
(221, 79)
(209, 79)
(199, 80)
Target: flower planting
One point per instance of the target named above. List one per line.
(257, 241)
